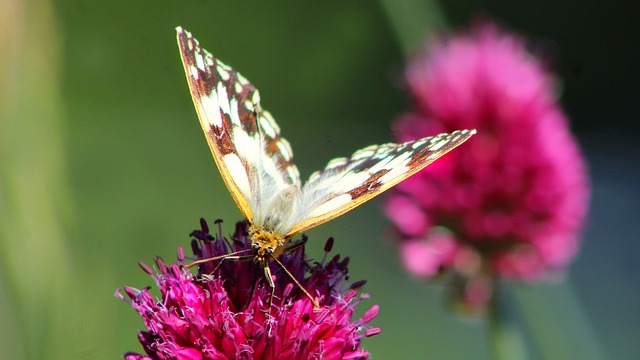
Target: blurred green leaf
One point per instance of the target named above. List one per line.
(37, 274)
(414, 21)
(557, 322)
(504, 333)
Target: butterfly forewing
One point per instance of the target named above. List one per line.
(346, 183)
(253, 158)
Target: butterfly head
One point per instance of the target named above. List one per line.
(266, 243)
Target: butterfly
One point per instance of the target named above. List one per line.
(256, 162)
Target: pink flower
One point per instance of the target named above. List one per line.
(512, 202)
(222, 313)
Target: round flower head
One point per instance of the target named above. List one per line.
(509, 203)
(224, 312)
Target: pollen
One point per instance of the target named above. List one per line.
(267, 241)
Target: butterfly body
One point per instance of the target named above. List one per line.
(267, 243)
(256, 162)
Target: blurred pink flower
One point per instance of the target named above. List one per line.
(222, 313)
(511, 202)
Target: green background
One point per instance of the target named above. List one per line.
(104, 164)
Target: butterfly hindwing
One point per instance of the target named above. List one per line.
(346, 183)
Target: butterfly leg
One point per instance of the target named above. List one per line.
(267, 274)
(233, 258)
(296, 244)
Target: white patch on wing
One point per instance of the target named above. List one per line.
(194, 72)
(394, 173)
(391, 163)
(438, 144)
(256, 98)
(326, 191)
(199, 61)
(242, 80)
(223, 99)
(208, 60)
(235, 117)
(271, 180)
(350, 181)
(224, 74)
(364, 153)
(285, 149)
(330, 205)
(210, 106)
(249, 148)
(239, 173)
(293, 172)
(268, 125)
(225, 66)
(337, 162)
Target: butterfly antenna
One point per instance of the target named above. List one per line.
(229, 256)
(314, 301)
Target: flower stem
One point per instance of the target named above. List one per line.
(506, 339)
(413, 20)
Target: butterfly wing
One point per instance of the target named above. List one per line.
(254, 160)
(346, 183)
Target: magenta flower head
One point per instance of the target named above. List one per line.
(512, 203)
(223, 312)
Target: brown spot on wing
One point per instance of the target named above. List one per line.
(371, 184)
(424, 153)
